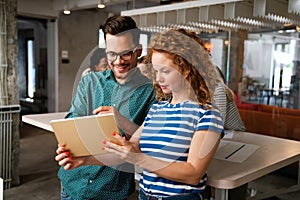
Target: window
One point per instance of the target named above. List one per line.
(30, 69)
(283, 57)
(144, 42)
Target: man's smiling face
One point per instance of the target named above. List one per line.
(121, 54)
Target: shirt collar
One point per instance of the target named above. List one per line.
(108, 74)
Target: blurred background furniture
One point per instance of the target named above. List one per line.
(271, 120)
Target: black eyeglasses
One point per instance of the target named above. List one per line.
(124, 55)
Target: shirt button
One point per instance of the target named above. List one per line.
(90, 181)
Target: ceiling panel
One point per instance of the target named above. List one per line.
(217, 15)
(201, 15)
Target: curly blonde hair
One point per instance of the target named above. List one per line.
(193, 60)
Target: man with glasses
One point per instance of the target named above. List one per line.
(129, 92)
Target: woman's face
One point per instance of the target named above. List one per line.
(166, 72)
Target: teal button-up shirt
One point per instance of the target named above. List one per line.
(133, 100)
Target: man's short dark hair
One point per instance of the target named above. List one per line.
(120, 25)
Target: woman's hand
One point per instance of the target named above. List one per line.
(127, 151)
(65, 159)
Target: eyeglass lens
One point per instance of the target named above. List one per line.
(123, 55)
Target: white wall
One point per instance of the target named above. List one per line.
(217, 51)
(258, 60)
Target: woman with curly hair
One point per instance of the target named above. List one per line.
(180, 135)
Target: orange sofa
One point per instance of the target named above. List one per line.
(271, 120)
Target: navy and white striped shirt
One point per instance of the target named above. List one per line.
(167, 135)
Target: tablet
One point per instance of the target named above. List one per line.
(84, 136)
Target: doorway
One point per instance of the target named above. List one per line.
(37, 81)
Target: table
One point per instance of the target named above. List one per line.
(273, 153)
(43, 120)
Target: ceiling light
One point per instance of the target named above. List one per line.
(101, 4)
(290, 31)
(66, 11)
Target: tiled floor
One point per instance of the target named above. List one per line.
(38, 170)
